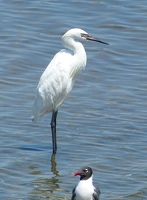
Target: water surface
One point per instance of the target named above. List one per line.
(102, 124)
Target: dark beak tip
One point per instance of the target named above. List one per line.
(104, 42)
(96, 40)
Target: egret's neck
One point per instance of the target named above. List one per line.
(76, 47)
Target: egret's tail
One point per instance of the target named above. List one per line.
(35, 115)
(42, 105)
(33, 119)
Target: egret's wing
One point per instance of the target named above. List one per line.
(54, 85)
(73, 194)
(96, 193)
(56, 65)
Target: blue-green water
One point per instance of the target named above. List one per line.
(103, 122)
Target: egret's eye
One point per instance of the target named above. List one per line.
(83, 35)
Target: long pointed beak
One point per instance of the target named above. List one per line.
(88, 37)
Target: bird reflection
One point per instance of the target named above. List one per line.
(54, 165)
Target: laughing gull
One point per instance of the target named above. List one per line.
(85, 190)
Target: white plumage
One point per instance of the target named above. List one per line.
(85, 190)
(58, 78)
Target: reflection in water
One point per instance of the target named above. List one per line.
(48, 187)
(53, 165)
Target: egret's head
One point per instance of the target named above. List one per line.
(76, 34)
(79, 35)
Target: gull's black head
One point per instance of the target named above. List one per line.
(85, 173)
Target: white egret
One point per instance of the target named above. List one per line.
(58, 78)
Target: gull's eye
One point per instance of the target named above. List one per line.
(86, 170)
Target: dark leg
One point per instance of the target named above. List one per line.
(53, 128)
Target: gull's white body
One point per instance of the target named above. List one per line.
(85, 189)
(58, 78)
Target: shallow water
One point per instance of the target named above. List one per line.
(103, 122)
